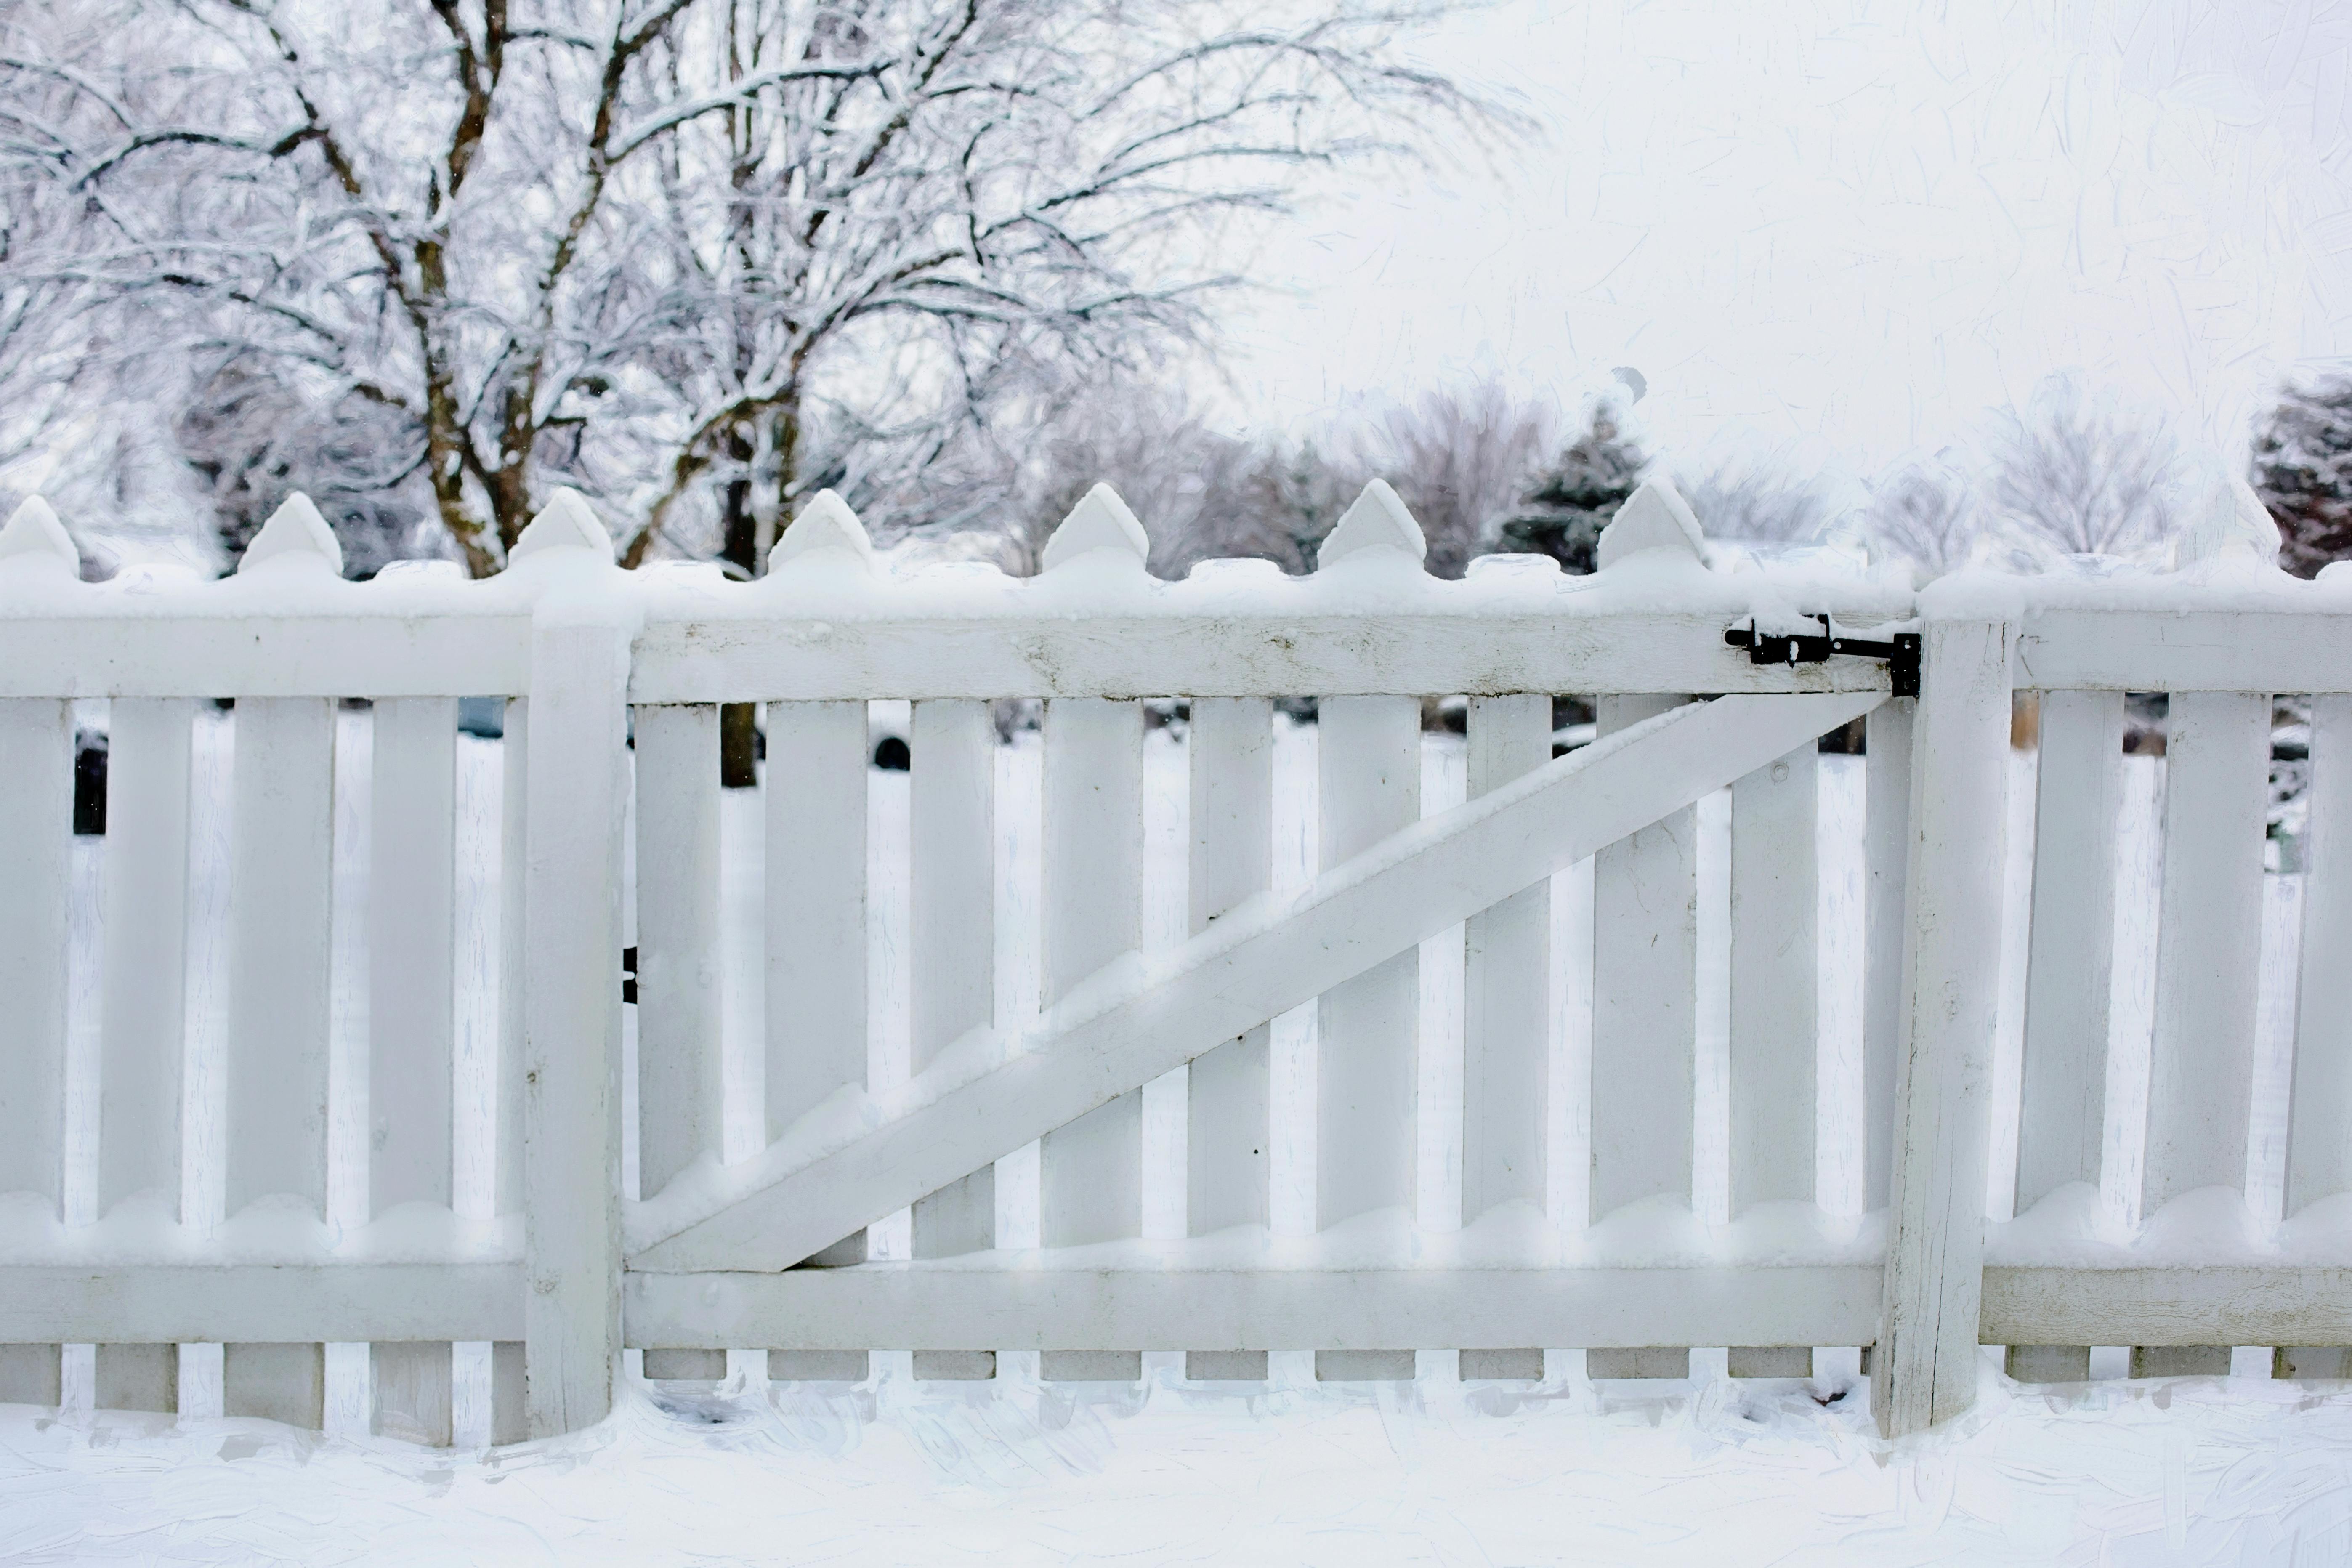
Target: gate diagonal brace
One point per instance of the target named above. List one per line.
(1139, 1017)
(1901, 653)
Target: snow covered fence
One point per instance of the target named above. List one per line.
(983, 1190)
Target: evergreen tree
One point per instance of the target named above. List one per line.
(1573, 498)
(2302, 472)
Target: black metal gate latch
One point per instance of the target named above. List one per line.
(1901, 653)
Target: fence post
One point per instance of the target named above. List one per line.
(1925, 1366)
(577, 784)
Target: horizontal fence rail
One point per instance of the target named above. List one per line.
(495, 981)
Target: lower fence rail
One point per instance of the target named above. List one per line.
(903, 1306)
(201, 1303)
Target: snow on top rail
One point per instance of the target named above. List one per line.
(833, 620)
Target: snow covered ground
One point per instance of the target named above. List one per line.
(2210, 1472)
(2236, 1470)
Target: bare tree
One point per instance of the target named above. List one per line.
(1755, 495)
(693, 253)
(2084, 473)
(1461, 459)
(1925, 510)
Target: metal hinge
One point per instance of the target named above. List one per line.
(1901, 653)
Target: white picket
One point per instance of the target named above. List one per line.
(577, 804)
(1368, 786)
(2319, 1105)
(2061, 1119)
(1506, 987)
(679, 1107)
(816, 945)
(2208, 965)
(1228, 1150)
(1886, 855)
(141, 1023)
(281, 846)
(1645, 1004)
(1092, 910)
(952, 833)
(37, 781)
(2217, 750)
(1924, 1367)
(679, 1115)
(508, 1420)
(1506, 1023)
(2078, 801)
(412, 1013)
(1645, 1019)
(1775, 980)
(817, 816)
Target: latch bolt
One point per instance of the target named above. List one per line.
(1901, 654)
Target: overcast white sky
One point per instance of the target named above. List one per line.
(1847, 224)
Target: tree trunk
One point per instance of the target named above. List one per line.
(738, 735)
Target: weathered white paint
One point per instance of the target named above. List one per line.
(1775, 980)
(679, 1112)
(951, 972)
(143, 966)
(1887, 858)
(412, 1013)
(2209, 943)
(1645, 993)
(1229, 1103)
(815, 843)
(1924, 1368)
(1506, 987)
(287, 634)
(412, 950)
(2319, 1126)
(2078, 800)
(1242, 971)
(36, 769)
(1091, 911)
(1368, 787)
(2175, 1306)
(774, 650)
(281, 846)
(2167, 645)
(1301, 1308)
(210, 1303)
(514, 879)
(230, 643)
(571, 1023)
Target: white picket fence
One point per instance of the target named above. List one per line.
(310, 1100)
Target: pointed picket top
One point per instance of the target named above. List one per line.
(565, 523)
(827, 524)
(295, 532)
(2233, 523)
(1655, 517)
(1377, 519)
(1101, 521)
(34, 533)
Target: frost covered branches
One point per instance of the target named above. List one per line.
(2082, 474)
(696, 256)
(1754, 495)
(1925, 510)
